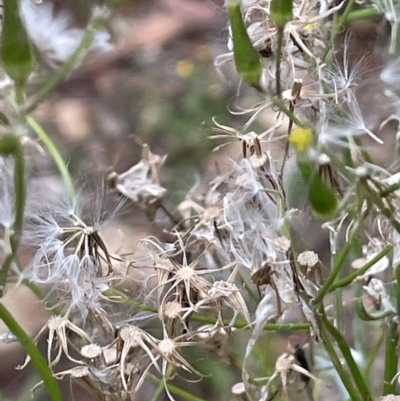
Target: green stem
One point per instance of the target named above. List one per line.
(372, 355)
(359, 326)
(246, 286)
(20, 195)
(352, 276)
(58, 159)
(242, 325)
(378, 201)
(20, 103)
(339, 261)
(36, 357)
(161, 384)
(281, 106)
(392, 340)
(344, 376)
(343, 18)
(391, 358)
(338, 294)
(345, 350)
(10, 145)
(278, 62)
(40, 295)
(175, 390)
(389, 190)
(116, 295)
(363, 13)
(62, 73)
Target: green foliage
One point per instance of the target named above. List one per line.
(247, 59)
(15, 49)
(281, 12)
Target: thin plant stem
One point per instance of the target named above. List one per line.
(278, 62)
(339, 261)
(373, 354)
(377, 200)
(359, 326)
(40, 295)
(114, 294)
(392, 340)
(363, 13)
(64, 71)
(31, 349)
(281, 106)
(343, 18)
(242, 325)
(246, 286)
(20, 104)
(389, 190)
(338, 293)
(161, 384)
(344, 376)
(10, 145)
(359, 272)
(345, 350)
(175, 390)
(58, 159)
(391, 358)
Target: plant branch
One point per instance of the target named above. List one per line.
(339, 261)
(175, 390)
(95, 24)
(31, 349)
(116, 295)
(10, 145)
(392, 340)
(345, 350)
(352, 276)
(338, 366)
(56, 155)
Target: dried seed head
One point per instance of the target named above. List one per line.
(185, 273)
(131, 334)
(57, 322)
(172, 310)
(80, 371)
(222, 289)
(282, 243)
(91, 351)
(308, 259)
(166, 347)
(238, 388)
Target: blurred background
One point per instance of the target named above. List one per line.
(158, 85)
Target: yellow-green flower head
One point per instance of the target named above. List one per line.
(302, 139)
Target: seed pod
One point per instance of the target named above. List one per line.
(321, 196)
(15, 50)
(281, 12)
(247, 58)
(9, 145)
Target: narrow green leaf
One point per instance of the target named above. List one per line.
(15, 50)
(247, 59)
(321, 196)
(37, 359)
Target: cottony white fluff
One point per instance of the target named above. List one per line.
(53, 35)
